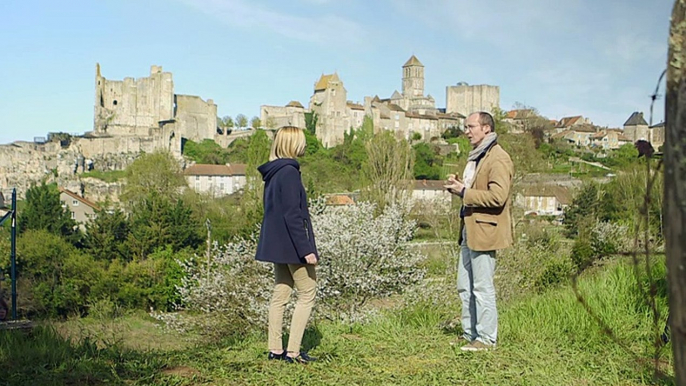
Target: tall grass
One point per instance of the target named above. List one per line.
(544, 339)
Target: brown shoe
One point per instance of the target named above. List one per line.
(478, 345)
(459, 341)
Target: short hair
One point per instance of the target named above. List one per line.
(486, 119)
(289, 142)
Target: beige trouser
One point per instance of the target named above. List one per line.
(305, 281)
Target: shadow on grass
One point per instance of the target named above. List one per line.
(42, 357)
(311, 339)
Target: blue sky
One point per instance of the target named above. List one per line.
(597, 58)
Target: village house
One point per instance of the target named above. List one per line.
(569, 123)
(580, 135)
(80, 209)
(516, 118)
(544, 200)
(430, 190)
(636, 128)
(609, 139)
(216, 180)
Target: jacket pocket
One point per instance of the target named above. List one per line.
(307, 229)
(486, 218)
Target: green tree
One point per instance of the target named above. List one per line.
(43, 210)
(157, 172)
(241, 121)
(428, 162)
(158, 222)
(205, 152)
(255, 123)
(311, 122)
(106, 234)
(585, 205)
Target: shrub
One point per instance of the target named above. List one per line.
(363, 257)
(58, 277)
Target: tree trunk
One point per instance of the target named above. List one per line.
(675, 186)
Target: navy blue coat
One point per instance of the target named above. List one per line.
(286, 234)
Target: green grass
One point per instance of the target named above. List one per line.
(546, 339)
(108, 176)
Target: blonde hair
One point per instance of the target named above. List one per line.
(289, 142)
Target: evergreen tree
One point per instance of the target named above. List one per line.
(106, 234)
(43, 210)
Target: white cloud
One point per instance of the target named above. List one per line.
(320, 29)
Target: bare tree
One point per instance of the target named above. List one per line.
(388, 169)
(241, 121)
(675, 186)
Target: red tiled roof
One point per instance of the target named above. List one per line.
(429, 185)
(355, 106)
(520, 113)
(215, 170)
(569, 121)
(295, 104)
(561, 193)
(340, 199)
(79, 198)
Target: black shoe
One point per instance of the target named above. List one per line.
(276, 357)
(301, 358)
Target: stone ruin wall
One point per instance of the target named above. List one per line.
(25, 163)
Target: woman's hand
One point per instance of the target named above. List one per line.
(311, 259)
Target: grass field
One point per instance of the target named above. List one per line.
(544, 339)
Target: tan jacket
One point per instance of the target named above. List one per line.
(487, 214)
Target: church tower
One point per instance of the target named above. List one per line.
(413, 78)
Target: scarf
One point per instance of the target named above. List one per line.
(474, 155)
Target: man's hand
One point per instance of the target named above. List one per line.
(311, 259)
(454, 185)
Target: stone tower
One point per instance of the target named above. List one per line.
(330, 104)
(413, 78)
(133, 107)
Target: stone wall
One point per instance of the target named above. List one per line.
(465, 99)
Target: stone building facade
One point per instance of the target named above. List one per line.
(216, 180)
(329, 102)
(405, 113)
(636, 128)
(130, 116)
(273, 117)
(148, 108)
(465, 99)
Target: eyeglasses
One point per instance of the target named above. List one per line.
(471, 127)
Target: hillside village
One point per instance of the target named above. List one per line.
(143, 115)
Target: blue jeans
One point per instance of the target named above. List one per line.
(475, 286)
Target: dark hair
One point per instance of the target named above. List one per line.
(486, 119)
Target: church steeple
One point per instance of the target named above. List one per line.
(413, 78)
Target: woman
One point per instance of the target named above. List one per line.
(287, 240)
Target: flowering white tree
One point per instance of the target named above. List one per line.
(363, 257)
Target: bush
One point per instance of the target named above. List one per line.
(57, 276)
(582, 254)
(370, 259)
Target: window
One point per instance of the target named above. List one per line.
(197, 178)
(73, 215)
(74, 203)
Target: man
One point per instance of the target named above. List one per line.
(485, 227)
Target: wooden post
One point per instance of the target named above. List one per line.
(675, 186)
